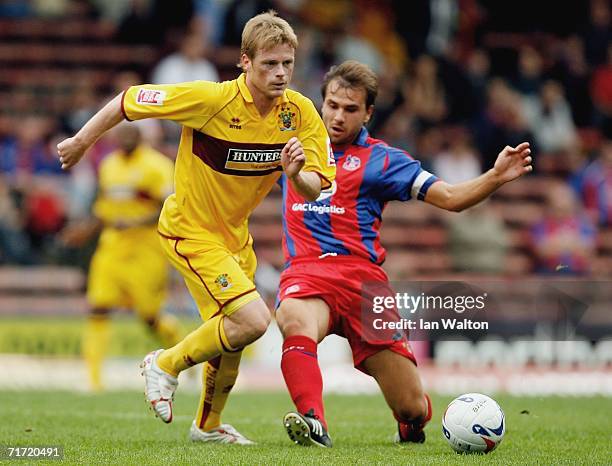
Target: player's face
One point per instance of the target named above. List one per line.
(344, 112)
(270, 71)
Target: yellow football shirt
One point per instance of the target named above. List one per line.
(229, 156)
(131, 188)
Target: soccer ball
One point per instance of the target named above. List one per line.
(473, 423)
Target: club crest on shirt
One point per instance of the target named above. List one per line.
(286, 119)
(351, 163)
(223, 282)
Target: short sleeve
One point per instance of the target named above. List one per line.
(190, 104)
(402, 177)
(316, 144)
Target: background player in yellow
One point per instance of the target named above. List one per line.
(128, 269)
(236, 139)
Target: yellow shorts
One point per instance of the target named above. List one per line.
(218, 280)
(134, 279)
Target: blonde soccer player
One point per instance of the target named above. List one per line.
(237, 138)
(128, 269)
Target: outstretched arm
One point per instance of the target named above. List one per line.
(511, 163)
(71, 150)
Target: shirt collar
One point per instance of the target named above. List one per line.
(360, 140)
(246, 94)
(362, 137)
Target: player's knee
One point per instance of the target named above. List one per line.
(289, 320)
(413, 407)
(260, 323)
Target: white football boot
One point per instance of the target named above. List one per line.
(159, 387)
(222, 434)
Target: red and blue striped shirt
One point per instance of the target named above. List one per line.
(346, 219)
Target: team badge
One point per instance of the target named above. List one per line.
(223, 282)
(286, 119)
(351, 163)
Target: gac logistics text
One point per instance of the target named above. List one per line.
(406, 302)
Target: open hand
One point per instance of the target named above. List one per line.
(513, 162)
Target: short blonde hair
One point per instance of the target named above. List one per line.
(264, 31)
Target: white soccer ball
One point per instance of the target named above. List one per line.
(473, 423)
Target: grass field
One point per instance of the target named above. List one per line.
(116, 428)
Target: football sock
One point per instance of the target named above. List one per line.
(203, 344)
(302, 375)
(218, 377)
(94, 346)
(167, 329)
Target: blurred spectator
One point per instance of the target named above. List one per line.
(15, 8)
(388, 100)
(349, 45)
(459, 162)
(26, 153)
(138, 26)
(187, 64)
(550, 119)
(564, 240)
(45, 215)
(529, 72)
(501, 122)
(597, 34)
(236, 16)
(596, 186)
(83, 106)
(478, 68)
(398, 131)
(478, 241)
(444, 20)
(425, 92)
(573, 72)
(428, 145)
(14, 244)
(601, 90)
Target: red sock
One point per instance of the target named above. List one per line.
(303, 375)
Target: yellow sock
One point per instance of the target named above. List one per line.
(203, 344)
(94, 347)
(218, 378)
(168, 330)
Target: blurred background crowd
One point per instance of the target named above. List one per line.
(459, 79)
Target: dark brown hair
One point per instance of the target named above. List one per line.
(353, 74)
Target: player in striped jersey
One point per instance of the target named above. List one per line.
(332, 248)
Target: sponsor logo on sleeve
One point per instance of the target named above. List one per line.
(150, 97)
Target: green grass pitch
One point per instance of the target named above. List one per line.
(116, 428)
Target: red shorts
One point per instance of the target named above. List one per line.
(348, 285)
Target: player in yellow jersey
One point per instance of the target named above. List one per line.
(237, 137)
(129, 268)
